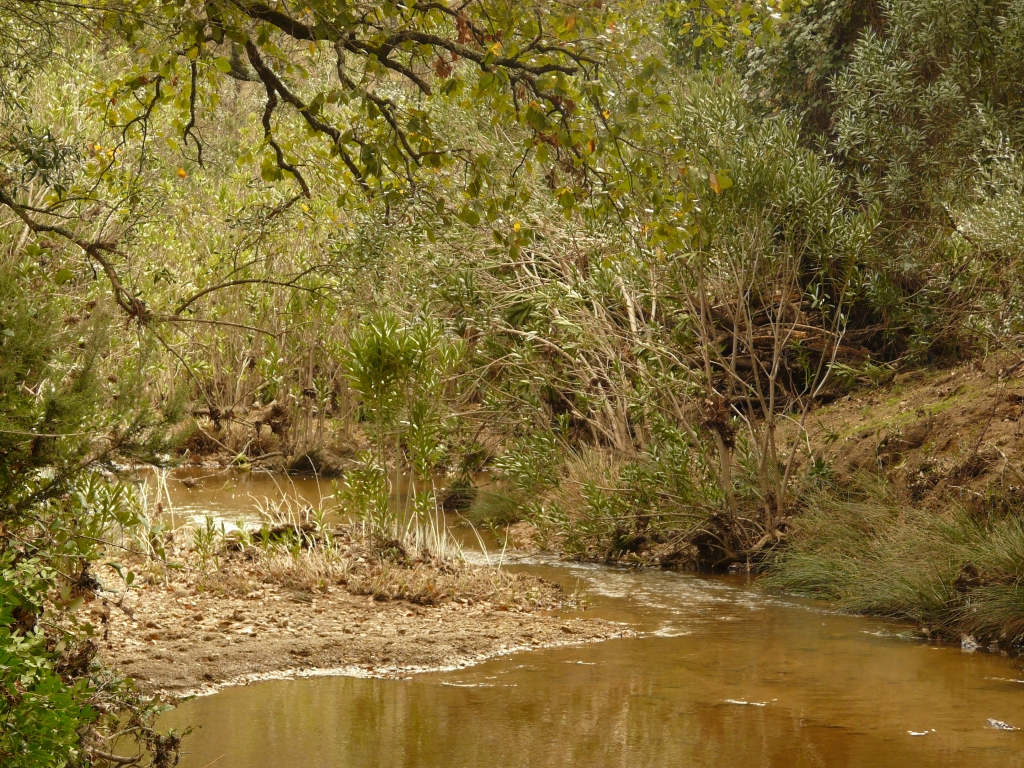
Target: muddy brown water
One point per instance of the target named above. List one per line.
(188, 496)
(720, 674)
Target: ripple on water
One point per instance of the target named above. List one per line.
(777, 682)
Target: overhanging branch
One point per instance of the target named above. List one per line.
(98, 250)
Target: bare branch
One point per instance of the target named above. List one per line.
(185, 304)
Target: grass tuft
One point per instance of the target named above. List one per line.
(950, 571)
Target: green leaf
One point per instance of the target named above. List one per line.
(63, 275)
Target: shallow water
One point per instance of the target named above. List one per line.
(189, 495)
(721, 675)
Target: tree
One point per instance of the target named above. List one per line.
(343, 71)
(58, 426)
(350, 90)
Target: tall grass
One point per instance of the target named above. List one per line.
(949, 570)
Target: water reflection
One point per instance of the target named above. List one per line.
(189, 495)
(722, 676)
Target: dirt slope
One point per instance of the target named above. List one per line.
(933, 433)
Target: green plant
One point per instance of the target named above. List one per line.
(58, 425)
(365, 495)
(42, 715)
(205, 541)
(871, 553)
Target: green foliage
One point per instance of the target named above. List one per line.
(795, 72)
(612, 250)
(402, 371)
(44, 399)
(43, 716)
(917, 103)
(56, 510)
(784, 203)
(206, 541)
(700, 32)
(529, 464)
(365, 495)
(382, 359)
(953, 572)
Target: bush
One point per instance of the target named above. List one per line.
(57, 707)
(43, 715)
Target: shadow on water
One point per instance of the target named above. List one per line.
(721, 675)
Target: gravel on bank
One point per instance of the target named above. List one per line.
(182, 639)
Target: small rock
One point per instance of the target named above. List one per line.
(968, 644)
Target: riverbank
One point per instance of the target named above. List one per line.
(912, 469)
(907, 501)
(251, 615)
(918, 515)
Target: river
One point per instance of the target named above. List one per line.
(720, 674)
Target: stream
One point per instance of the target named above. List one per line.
(719, 674)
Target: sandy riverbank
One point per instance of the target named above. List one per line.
(248, 619)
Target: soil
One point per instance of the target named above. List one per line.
(933, 433)
(244, 623)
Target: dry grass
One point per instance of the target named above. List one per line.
(309, 562)
(428, 584)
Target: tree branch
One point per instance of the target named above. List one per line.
(133, 306)
(185, 304)
(274, 86)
